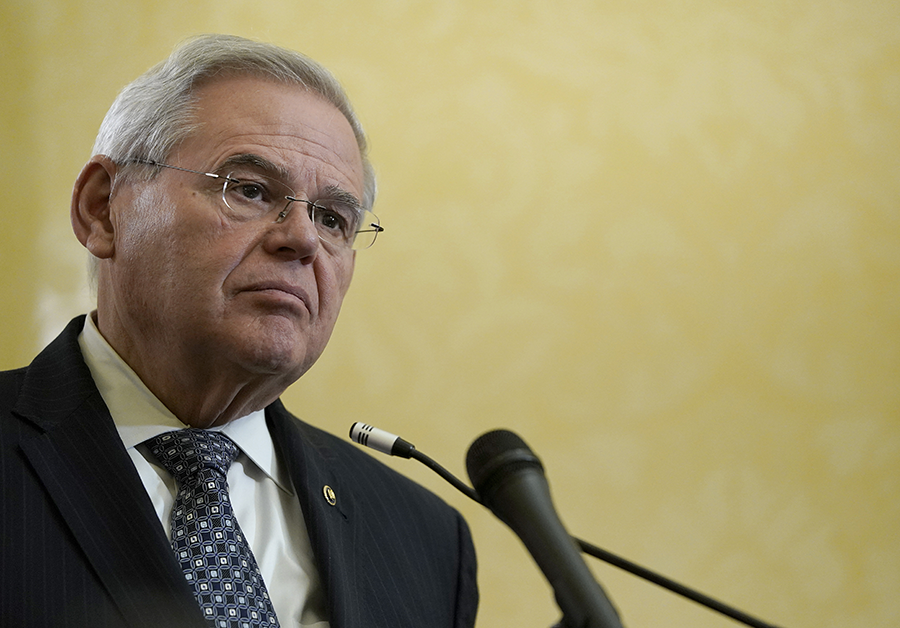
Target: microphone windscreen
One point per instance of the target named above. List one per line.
(496, 455)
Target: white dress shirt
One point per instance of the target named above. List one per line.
(259, 486)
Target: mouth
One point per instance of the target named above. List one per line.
(281, 292)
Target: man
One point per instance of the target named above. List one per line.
(227, 195)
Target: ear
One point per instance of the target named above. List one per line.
(91, 200)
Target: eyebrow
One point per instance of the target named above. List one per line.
(336, 193)
(267, 167)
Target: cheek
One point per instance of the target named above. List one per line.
(144, 225)
(334, 281)
(175, 251)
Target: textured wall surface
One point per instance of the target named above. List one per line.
(659, 240)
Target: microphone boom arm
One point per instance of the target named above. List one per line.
(404, 449)
(613, 559)
(671, 585)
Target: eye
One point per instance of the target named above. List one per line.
(251, 191)
(336, 221)
(243, 191)
(254, 195)
(331, 220)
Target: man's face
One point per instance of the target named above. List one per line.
(209, 292)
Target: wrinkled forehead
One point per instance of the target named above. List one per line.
(288, 125)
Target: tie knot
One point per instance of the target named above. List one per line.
(184, 453)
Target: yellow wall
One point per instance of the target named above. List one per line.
(659, 240)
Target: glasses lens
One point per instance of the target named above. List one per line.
(368, 230)
(250, 196)
(345, 225)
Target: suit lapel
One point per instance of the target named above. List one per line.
(85, 469)
(328, 514)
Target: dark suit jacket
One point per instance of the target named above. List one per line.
(80, 543)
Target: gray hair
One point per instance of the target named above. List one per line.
(154, 113)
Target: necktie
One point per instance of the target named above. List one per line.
(207, 540)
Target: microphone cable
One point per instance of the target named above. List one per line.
(393, 445)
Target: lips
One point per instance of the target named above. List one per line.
(285, 288)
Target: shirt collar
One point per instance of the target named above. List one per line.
(139, 415)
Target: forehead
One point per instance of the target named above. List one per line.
(288, 125)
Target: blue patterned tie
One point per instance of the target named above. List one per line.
(207, 540)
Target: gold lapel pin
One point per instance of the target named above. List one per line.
(330, 497)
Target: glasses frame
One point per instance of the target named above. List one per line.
(373, 227)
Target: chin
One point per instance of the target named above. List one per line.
(279, 356)
(274, 345)
(267, 360)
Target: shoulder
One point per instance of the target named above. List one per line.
(55, 382)
(11, 384)
(10, 389)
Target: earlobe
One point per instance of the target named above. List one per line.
(91, 216)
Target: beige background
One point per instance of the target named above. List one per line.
(659, 240)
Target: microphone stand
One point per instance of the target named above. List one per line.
(612, 559)
(671, 585)
(396, 446)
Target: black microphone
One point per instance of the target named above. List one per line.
(509, 480)
(515, 453)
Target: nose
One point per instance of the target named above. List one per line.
(293, 235)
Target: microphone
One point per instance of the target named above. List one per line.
(496, 460)
(509, 480)
(379, 440)
(393, 445)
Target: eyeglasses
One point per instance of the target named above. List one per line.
(251, 196)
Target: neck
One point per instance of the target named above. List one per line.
(201, 393)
